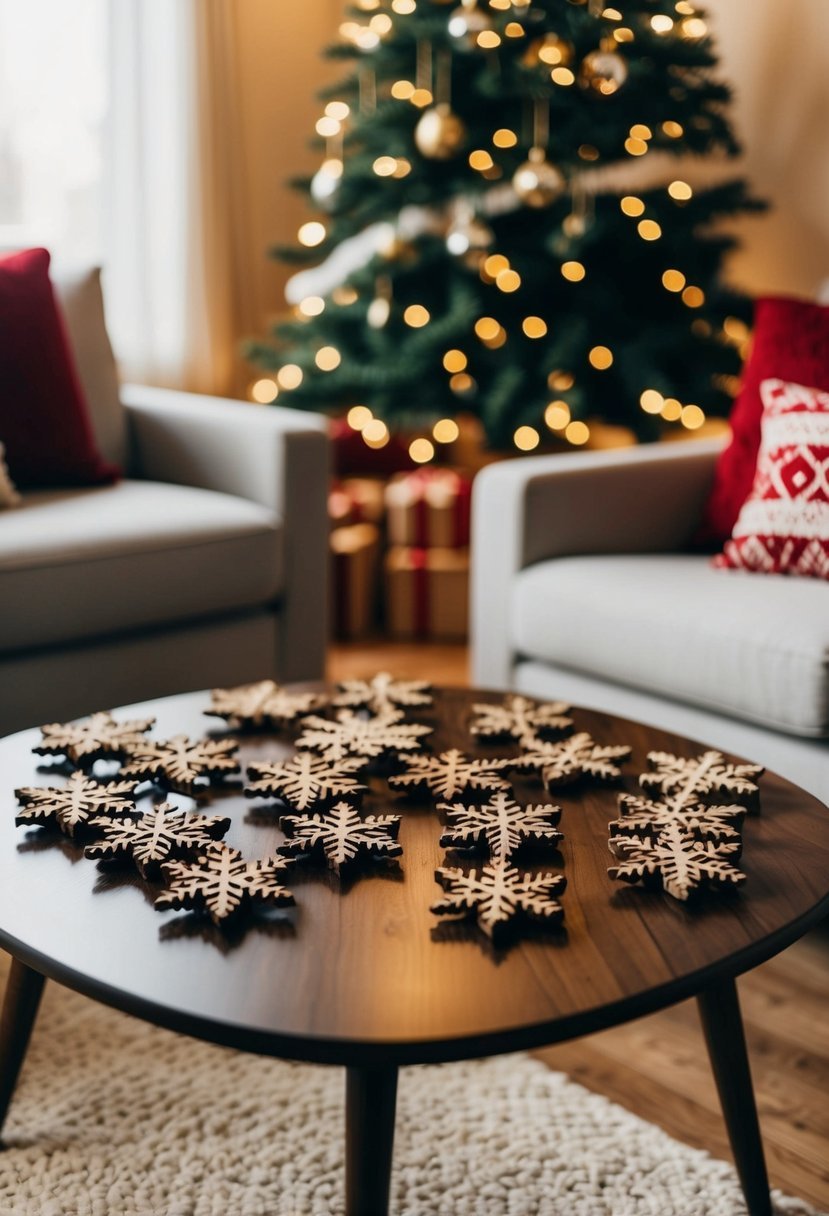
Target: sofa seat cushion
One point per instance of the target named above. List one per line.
(756, 648)
(105, 560)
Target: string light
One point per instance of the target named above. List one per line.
(327, 127)
(640, 131)
(421, 450)
(557, 415)
(375, 433)
(338, 110)
(577, 433)
(574, 272)
(649, 230)
(680, 191)
(402, 167)
(455, 361)
(264, 391)
(402, 90)
(508, 281)
(631, 205)
(673, 280)
(601, 357)
(381, 25)
(384, 166)
(446, 430)
(495, 263)
(480, 159)
(694, 27)
(612, 14)
(289, 376)
(635, 147)
(461, 383)
(651, 401)
(416, 316)
(514, 29)
(487, 40)
(403, 7)
(674, 130)
(736, 329)
(503, 5)
(693, 297)
(526, 438)
(562, 76)
(560, 381)
(588, 152)
(344, 295)
(358, 417)
(311, 234)
(328, 358)
(685, 7)
(421, 98)
(671, 409)
(534, 327)
(504, 138)
(623, 34)
(311, 306)
(661, 23)
(487, 328)
(692, 417)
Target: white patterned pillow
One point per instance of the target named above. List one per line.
(9, 496)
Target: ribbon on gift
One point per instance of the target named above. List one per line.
(430, 508)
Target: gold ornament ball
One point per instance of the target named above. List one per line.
(538, 182)
(439, 134)
(550, 50)
(603, 71)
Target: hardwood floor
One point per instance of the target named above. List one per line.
(657, 1067)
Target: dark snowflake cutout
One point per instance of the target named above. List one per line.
(306, 781)
(570, 759)
(500, 825)
(383, 692)
(450, 775)
(700, 776)
(521, 719)
(160, 835)
(181, 765)
(220, 882)
(98, 737)
(341, 835)
(264, 704)
(352, 735)
(676, 859)
(75, 805)
(499, 896)
(705, 821)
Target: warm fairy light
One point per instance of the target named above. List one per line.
(264, 391)
(693, 297)
(421, 98)
(487, 328)
(344, 295)
(631, 205)
(417, 316)
(328, 358)
(480, 159)
(402, 90)
(674, 130)
(612, 14)
(339, 110)
(692, 417)
(601, 357)
(368, 6)
(680, 190)
(514, 29)
(311, 306)
(503, 5)
(588, 152)
(488, 40)
(526, 438)
(381, 25)
(661, 23)
(508, 281)
(312, 233)
(289, 376)
(671, 409)
(635, 147)
(649, 230)
(375, 433)
(673, 280)
(498, 340)
(702, 329)
(421, 450)
(574, 271)
(562, 76)
(694, 27)
(327, 127)
(358, 417)
(384, 166)
(403, 7)
(651, 401)
(402, 167)
(577, 433)
(504, 138)
(446, 430)
(455, 361)
(640, 131)
(534, 327)
(736, 329)
(623, 34)
(557, 415)
(495, 263)
(559, 381)
(685, 8)
(461, 382)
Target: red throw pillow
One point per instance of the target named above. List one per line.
(790, 342)
(44, 422)
(783, 526)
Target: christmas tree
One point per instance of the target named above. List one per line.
(477, 245)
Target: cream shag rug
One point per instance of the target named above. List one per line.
(113, 1116)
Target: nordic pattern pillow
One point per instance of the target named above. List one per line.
(783, 525)
(9, 496)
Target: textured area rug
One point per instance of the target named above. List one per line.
(113, 1116)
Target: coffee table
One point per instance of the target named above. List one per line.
(366, 979)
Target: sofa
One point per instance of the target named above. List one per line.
(585, 588)
(206, 564)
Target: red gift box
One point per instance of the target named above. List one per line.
(427, 593)
(429, 509)
(356, 500)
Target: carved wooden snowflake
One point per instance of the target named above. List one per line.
(710, 822)
(74, 805)
(499, 895)
(159, 835)
(383, 692)
(98, 737)
(501, 825)
(450, 775)
(566, 761)
(341, 835)
(677, 859)
(521, 719)
(351, 735)
(305, 780)
(181, 765)
(693, 779)
(261, 704)
(219, 881)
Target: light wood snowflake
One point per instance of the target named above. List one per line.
(703, 820)
(159, 835)
(676, 859)
(450, 775)
(98, 737)
(262, 704)
(306, 780)
(220, 882)
(570, 759)
(181, 765)
(499, 895)
(702, 775)
(75, 805)
(500, 825)
(352, 735)
(521, 719)
(341, 835)
(383, 692)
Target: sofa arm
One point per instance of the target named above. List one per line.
(629, 500)
(273, 456)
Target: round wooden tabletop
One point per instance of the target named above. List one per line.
(363, 973)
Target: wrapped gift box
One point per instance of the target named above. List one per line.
(356, 500)
(429, 509)
(427, 592)
(355, 558)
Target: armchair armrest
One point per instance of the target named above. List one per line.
(631, 500)
(273, 456)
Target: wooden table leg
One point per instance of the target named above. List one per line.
(20, 1004)
(719, 1010)
(370, 1098)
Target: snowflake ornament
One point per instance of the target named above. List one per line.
(264, 704)
(306, 781)
(704, 821)
(521, 719)
(702, 775)
(75, 805)
(676, 859)
(160, 835)
(500, 825)
(341, 835)
(382, 693)
(220, 882)
(570, 759)
(499, 895)
(181, 765)
(351, 735)
(98, 737)
(450, 775)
